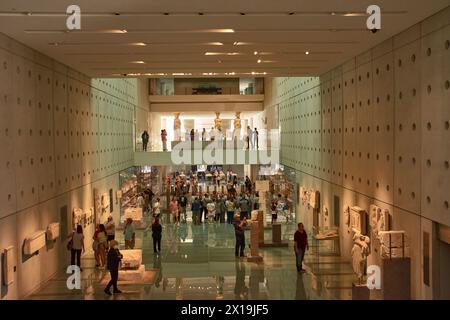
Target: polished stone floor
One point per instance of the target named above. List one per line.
(197, 262)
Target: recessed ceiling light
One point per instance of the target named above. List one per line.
(139, 62)
(215, 43)
(307, 52)
(259, 61)
(255, 53)
(355, 14)
(333, 13)
(217, 30)
(142, 44)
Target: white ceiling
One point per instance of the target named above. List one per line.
(177, 38)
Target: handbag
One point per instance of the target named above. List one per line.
(70, 244)
(95, 245)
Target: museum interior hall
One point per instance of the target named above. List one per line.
(224, 150)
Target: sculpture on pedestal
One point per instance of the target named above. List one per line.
(218, 121)
(237, 126)
(177, 126)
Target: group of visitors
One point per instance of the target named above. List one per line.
(251, 137)
(280, 206)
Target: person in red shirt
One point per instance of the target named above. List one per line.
(164, 139)
(300, 246)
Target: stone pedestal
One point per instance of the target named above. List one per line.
(360, 292)
(276, 238)
(276, 233)
(396, 278)
(261, 226)
(254, 243)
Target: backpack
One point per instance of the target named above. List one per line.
(70, 244)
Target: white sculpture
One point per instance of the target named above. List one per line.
(360, 252)
(34, 242)
(53, 231)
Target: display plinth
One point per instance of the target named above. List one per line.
(261, 226)
(133, 275)
(396, 278)
(276, 233)
(254, 248)
(131, 258)
(360, 292)
(276, 238)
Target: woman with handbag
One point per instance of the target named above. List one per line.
(76, 246)
(102, 244)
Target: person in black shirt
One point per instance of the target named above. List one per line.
(182, 201)
(145, 136)
(113, 262)
(156, 235)
(240, 236)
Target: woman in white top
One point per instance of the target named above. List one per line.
(156, 208)
(77, 240)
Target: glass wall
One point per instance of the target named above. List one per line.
(206, 86)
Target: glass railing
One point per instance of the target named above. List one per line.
(267, 140)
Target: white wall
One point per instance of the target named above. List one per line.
(376, 130)
(62, 134)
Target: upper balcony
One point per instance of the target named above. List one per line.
(200, 103)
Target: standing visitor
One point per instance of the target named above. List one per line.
(192, 135)
(300, 246)
(256, 138)
(220, 208)
(244, 206)
(196, 135)
(110, 229)
(205, 202)
(114, 258)
(249, 137)
(156, 235)
(204, 134)
(164, 139)
(274, 211)
(239, 226)
(141, 201)
(76, 244)
(182, 202)
(256, 201)
(229, 204)
(145, 138)
(195, 208)
(129, 234)
(173, 206)
(102, 244)
(156, 208)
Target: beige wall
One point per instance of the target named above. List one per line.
(62, 134)
(376, 130)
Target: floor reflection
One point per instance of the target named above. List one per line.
(197, 262)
